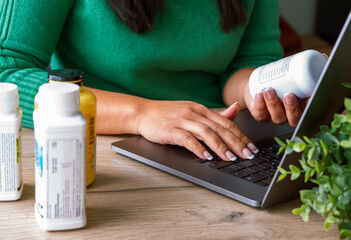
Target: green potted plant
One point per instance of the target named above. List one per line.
(325, 161)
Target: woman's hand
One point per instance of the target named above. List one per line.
(267, 106)
(187, 123)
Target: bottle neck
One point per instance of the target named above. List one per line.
(78, 82)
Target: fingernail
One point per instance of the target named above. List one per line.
(231, 156)
(248, 153)
(270, 92)
(289, 98)
(253, 148)
(259, 97)
(325, 55)
(233, 104)
(208, 156)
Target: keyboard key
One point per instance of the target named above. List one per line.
(269, 172)
(236, 167)
(201, 160)
(272, 156)
(260, 159)
(247, 163)
(253, 170)
(220, 164)
(273, 163)
(269, 180)
(256, 177)
(242, 173)
(264, 166)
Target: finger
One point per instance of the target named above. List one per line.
(231, 135)
(259, 110)
(274, 106)
(231, 112)
(325, 55)
(210, 138)
(303, 103)
(186, 139)
(292, 109)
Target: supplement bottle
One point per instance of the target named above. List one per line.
(59, 131)
(88, 109)
(11, 182)
(297, 74)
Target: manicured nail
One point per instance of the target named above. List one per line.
(289, 98)
(208, 156)
(270, 92)
(248, 153)
(231, 156)
(233, 104)
(259, 97)
(253, 148)
(325, 55)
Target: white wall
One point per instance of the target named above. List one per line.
(300, 14)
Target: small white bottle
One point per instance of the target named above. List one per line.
(59, 129)
(297, 74)
(11, 182)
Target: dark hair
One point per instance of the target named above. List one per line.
(140, 15)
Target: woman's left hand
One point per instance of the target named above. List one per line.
(267, 106)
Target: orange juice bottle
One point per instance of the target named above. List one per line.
(88, 109)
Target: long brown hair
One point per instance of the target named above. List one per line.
(140, 15)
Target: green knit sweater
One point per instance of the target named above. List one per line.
(186, 56)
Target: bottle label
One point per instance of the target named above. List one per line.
(10, 162)
(90, 148)
(274, 70)
(58, 183)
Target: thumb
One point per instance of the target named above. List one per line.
(231, 112)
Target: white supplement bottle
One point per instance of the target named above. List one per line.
(297, 74)
(59, 129)
(11, 183)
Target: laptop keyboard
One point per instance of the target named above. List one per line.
(259, 170)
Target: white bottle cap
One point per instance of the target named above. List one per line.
(9, 99)
(62, 98)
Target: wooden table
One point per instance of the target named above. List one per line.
(130, 200)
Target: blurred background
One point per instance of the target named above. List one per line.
(323, 18)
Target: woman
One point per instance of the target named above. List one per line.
(141, 57)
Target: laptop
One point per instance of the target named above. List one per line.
(254, 182)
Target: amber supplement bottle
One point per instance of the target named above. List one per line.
(88, 109)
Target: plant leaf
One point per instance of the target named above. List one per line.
(294, 169)
(324, 147)
(281, 170)
(344, 233)
(280, 142)
(346, 84)
(282, 176)
(328, 224)
(309, 174)
(307, 196)
(294, 176)
(281, 149)
(345, 143)
(299, 147)
(347, 103)
(298, 140)
(304, 214)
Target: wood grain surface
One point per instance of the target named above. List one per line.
(130, 200)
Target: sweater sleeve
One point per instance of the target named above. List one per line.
(260, 42)
(29, 33)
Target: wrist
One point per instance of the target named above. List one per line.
(237, 88)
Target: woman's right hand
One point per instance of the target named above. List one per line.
(187, 123)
